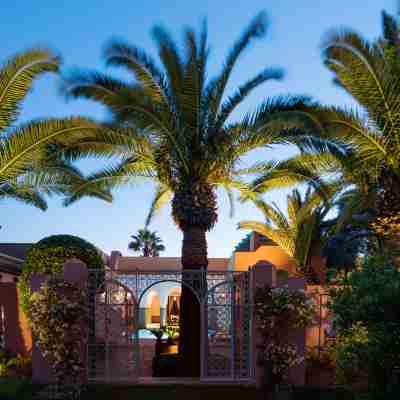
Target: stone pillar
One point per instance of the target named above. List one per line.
(142, 317)
(114, 259)
(264, 273)
(163, 317)
(75, 272)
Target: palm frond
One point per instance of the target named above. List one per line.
(126, 172)
(244, 90)
(277, 236)
(16, 78)
(25, 194)
(161, 197)
(25, 145)
(120, 53)
(216, 88)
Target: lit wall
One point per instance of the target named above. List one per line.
(242, 260)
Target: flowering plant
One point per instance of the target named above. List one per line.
(296, 308)
(282, 356)
(279, 309)
(57, 311)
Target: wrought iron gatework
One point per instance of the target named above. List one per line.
(115, 298)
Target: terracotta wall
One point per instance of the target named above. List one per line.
(243, 260)
(18, 336)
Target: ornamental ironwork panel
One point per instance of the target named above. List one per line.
(114, 345)
(228, 312)
(112, 338)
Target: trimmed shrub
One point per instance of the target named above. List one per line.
(48, 256)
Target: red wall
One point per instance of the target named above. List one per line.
(18, 336)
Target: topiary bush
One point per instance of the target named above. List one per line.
(48, 256)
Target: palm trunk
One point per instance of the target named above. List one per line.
(194, 257)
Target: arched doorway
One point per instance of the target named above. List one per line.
(153, 311)
(163, 294)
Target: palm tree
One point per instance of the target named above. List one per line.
(28, 169)
(364, 144)
(171, 126)
(147, 242)
(302, 233)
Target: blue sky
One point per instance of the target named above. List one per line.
(79, 29)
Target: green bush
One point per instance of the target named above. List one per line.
(48, 257)
(15, 366)
(367, 322)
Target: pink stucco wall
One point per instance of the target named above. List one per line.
(18, 337)
(265, 274)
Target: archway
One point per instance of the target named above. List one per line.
(165, 293)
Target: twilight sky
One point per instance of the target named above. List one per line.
(79, 29)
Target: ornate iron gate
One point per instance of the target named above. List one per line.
(114, 346)
(112, 338)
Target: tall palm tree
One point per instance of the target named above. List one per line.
(28, 168)
(171, 125)
(302, 233)
(149, 243)
(364, 144)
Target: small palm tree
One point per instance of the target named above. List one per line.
(302, 233)
(171, 126)
(147, 242)
(28, 168)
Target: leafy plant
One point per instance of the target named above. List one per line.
(48, 257)
(18, 366)
(277, 310)
(282, 356)
(302, 232)
(158, 333)
(28, 169)
(368, 324)
(58, 312)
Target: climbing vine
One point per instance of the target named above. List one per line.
(57, 314)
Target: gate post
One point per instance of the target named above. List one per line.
(297, 374)
(75, 272)
(264, 273)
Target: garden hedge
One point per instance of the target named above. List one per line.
(48, 256)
